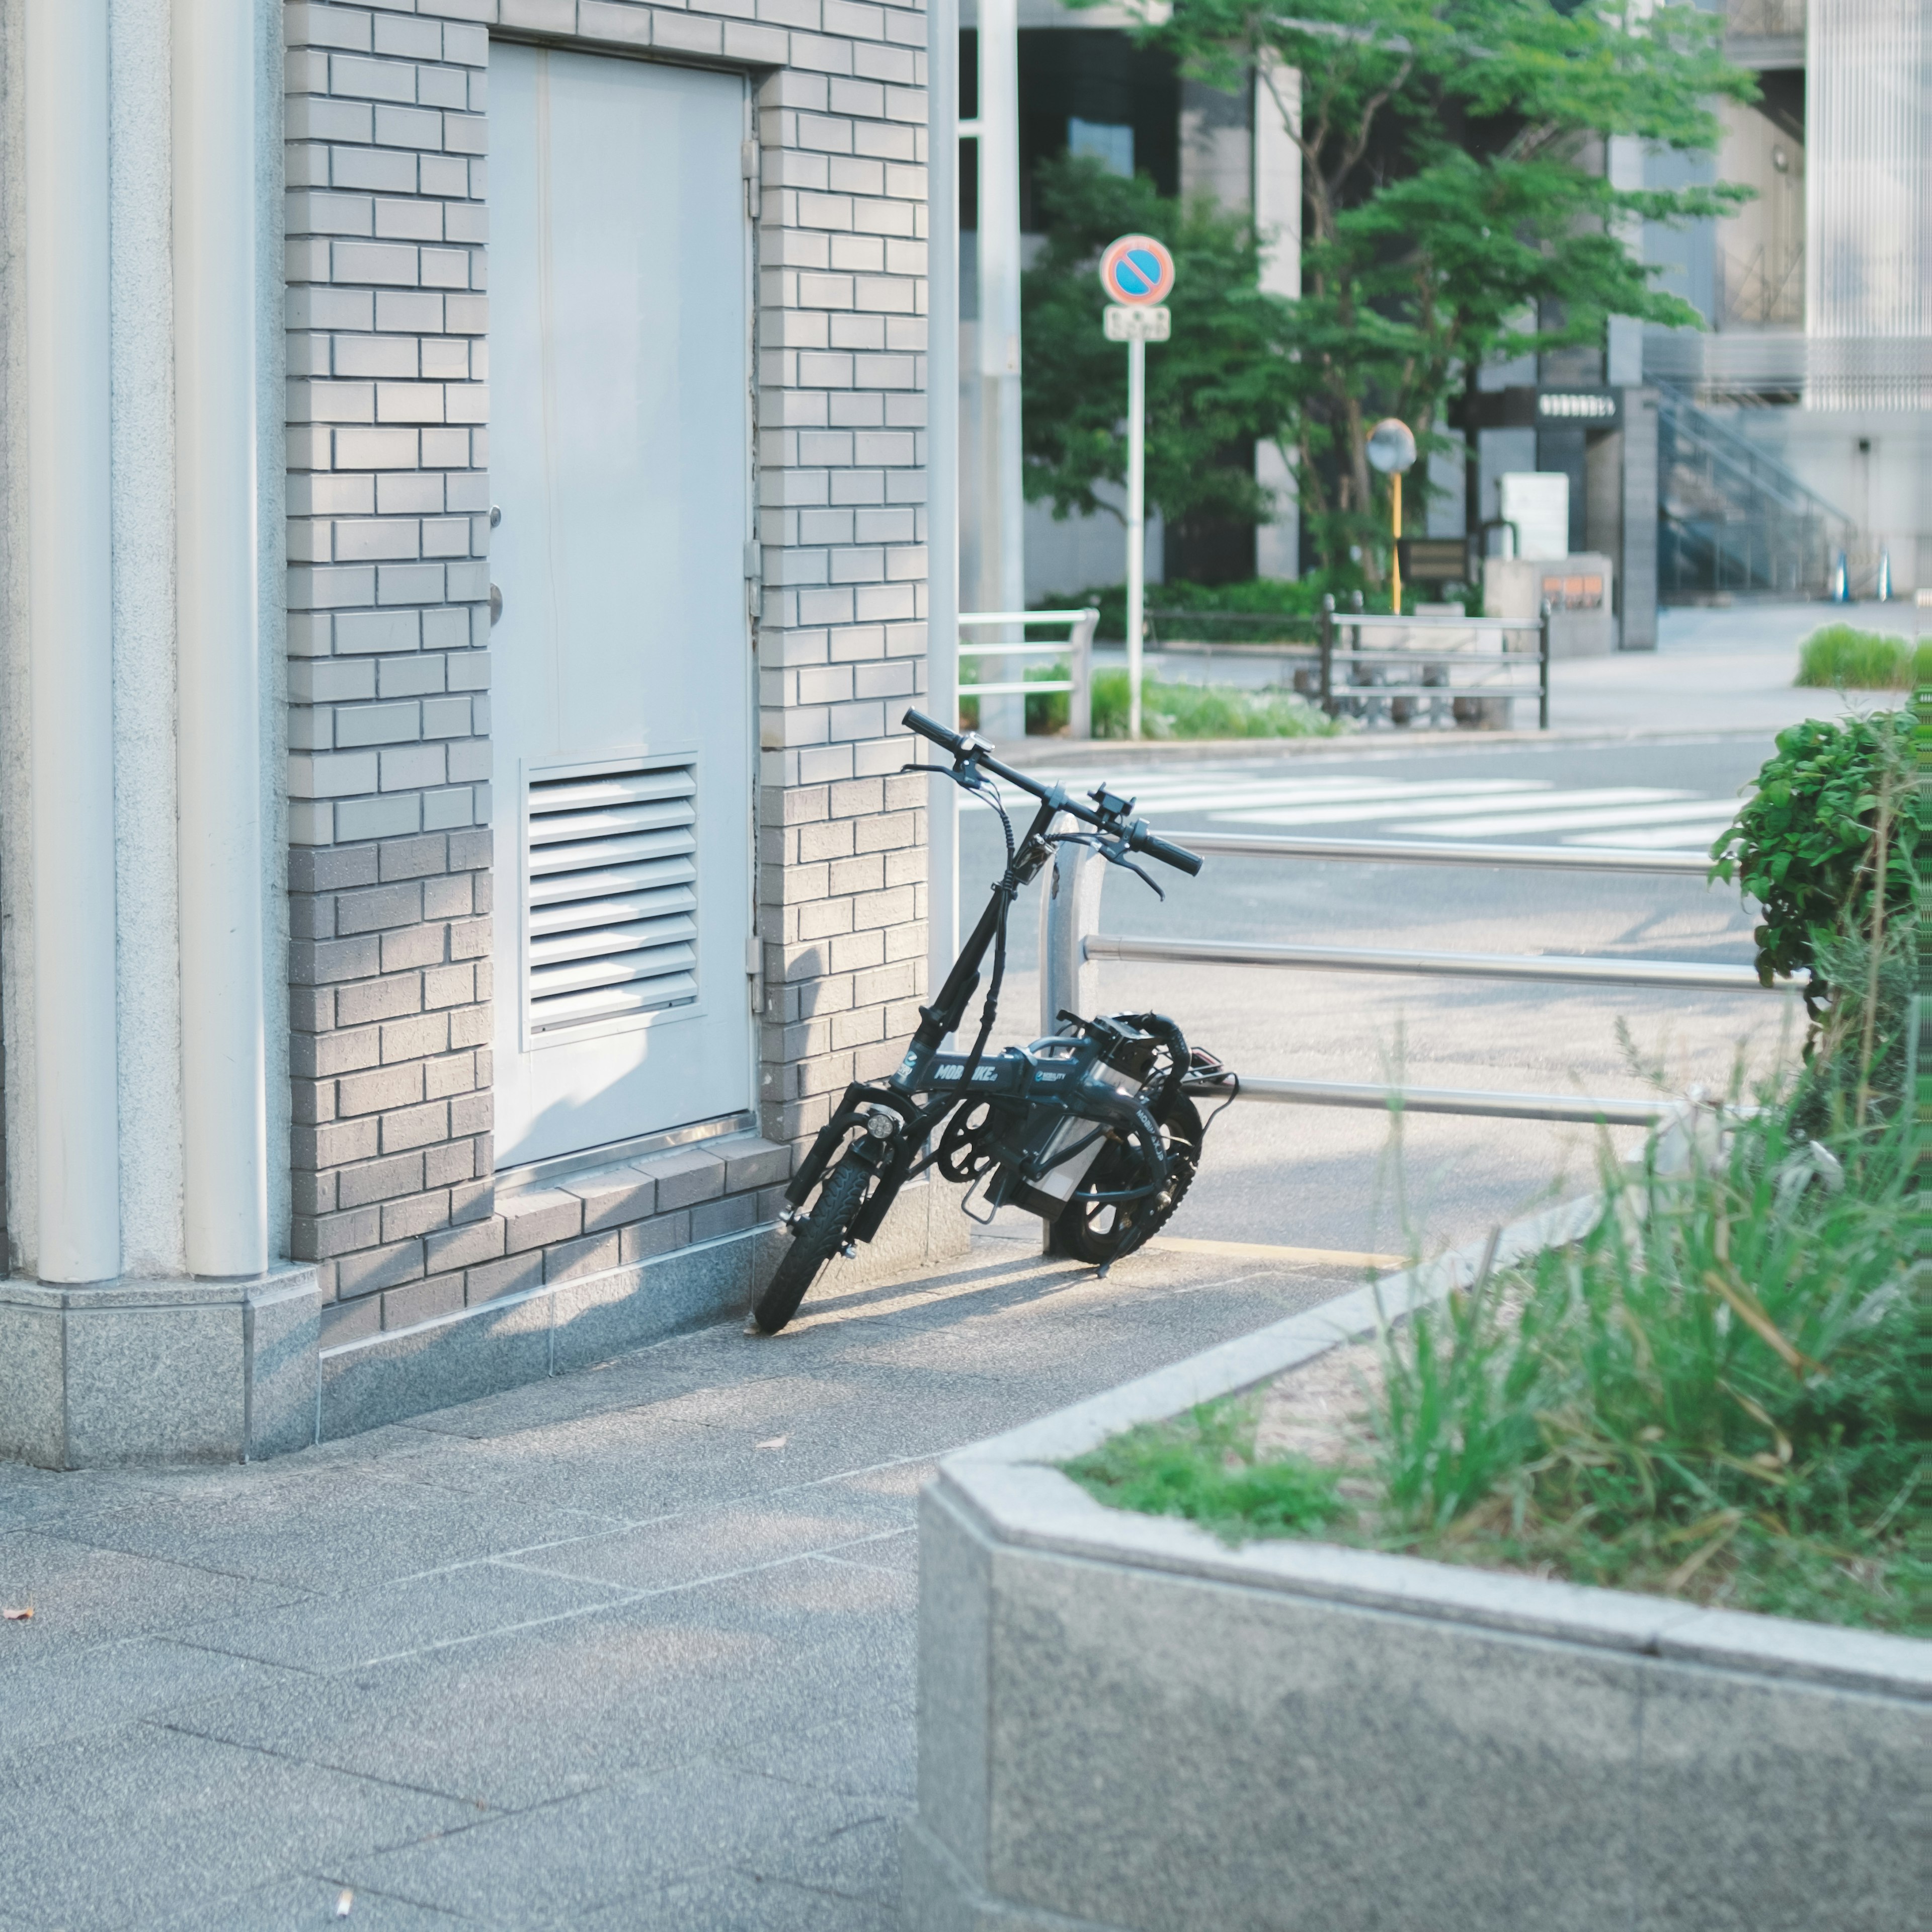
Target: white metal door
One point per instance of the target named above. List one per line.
(623, 717)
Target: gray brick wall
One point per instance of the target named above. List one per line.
(389, 496)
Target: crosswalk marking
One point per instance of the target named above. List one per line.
(1500, 814)
(1225, 804)
(1235, 795)
(1245, 794)
(1695, 836)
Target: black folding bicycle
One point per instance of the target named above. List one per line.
(1094, 1128)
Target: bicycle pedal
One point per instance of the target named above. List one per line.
(849, 1251)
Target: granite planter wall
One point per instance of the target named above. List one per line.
(1125, 1724)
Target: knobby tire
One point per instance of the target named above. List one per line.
(812, 1245)
(1074, 1233)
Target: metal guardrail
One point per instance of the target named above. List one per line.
(1563, 969)
(1346, 666)
(1420, 852)
(1077, 650)
(1071, 945)
(1583, 1108)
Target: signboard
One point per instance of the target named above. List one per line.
(1137, 271)
(1594, 409)
(1537, 502)
(1137, 324)
(1435, 559)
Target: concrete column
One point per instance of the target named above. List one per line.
(1636, 564)
(225, 1191)
(1277, 205)
(140, 217)
(1623, 345)
(77, 1236)
(942, 469)
(1001, 584)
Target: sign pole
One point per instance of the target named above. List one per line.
(1136, 271)
(1395, 605)
(1391, 449)
(1136, 523)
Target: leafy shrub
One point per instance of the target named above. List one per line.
(1238, 605)
(1207, 711)
(1840, 658)
(1807, 845)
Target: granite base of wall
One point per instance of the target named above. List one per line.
(158, 1371)
(576, 1324)
(1126, 1725)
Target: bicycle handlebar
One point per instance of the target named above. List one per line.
(1132, 832)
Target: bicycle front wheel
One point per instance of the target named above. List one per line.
(812, 1245)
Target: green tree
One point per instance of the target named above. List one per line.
(1223, 377)
(1456, 206)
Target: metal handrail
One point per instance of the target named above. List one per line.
(1070, 947)
(1077, 650)
(1369, 698)
(1415, 851)
(1584, 1108)
(1560, 968)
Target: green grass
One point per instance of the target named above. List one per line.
(1206, 711)
(1719, 1394)
(1172, 710)
(1203, 1467)
(1839, 657)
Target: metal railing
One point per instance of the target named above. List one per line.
(1071, 944)
(1431, 666)
(1077, 650)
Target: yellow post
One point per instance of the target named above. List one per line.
(1395, 603)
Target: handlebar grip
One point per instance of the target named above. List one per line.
(931, 727)
(1178, 856)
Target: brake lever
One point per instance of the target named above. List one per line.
(1117, 855)
(1114, 851)
(967, 774)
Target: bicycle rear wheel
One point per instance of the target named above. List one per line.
(812, 1245)
(1100, 1232)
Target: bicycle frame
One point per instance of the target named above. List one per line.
(894, 1123)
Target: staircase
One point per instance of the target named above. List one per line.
(1732, 520)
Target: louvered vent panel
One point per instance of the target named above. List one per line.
(613, 895)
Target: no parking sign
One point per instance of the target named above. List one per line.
(1137, 271)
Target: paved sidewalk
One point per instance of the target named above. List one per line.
(631, 1648)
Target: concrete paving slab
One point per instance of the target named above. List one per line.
(306, 1905)
(326, 1528)
(864, 1757)
(416, 1614)
(80, 1688)
(514, 1720)
(898, 1553)
(698, 1543)
(388, 1662)
(734, 1901)
(82, 1595)
(553, 1866)
(122, 1827)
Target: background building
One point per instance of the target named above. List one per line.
(1801, 423)
(1739, 461)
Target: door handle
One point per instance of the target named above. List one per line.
(496, 605)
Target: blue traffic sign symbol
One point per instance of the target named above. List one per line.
(1137, 271)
